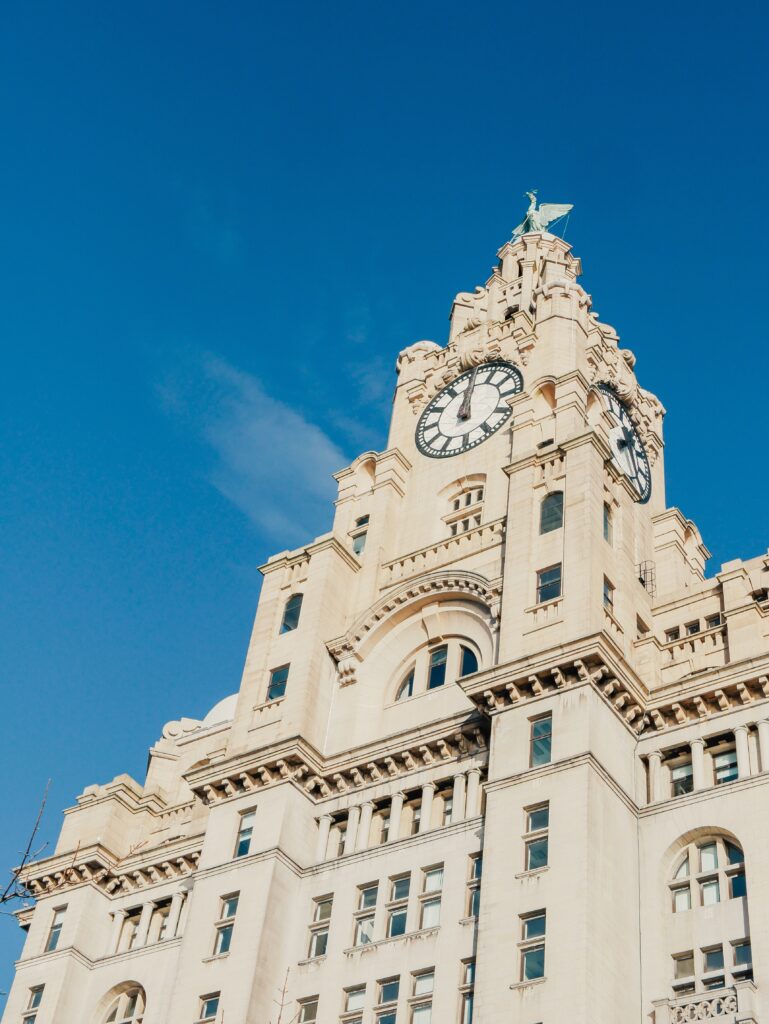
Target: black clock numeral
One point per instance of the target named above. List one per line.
(485, 428)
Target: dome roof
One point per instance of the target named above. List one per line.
(224, 711)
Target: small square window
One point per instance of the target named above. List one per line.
(209, 1006)
(692, 627)
(424, 983)
(388, 991)
(308, 1011)
(367, 896)
(538, 818)
(533, 963)
(710, 893)
(713, 959)
(725, 767)
(672, 635)
(683, 965)
(536, 854)
(433, 880)
(534, 926)
(712, 621)
(399, 888)
(322, 910)
(278, 682)
(743, 956)
(355, 998)
(682, 899)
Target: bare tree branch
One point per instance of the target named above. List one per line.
(15, 890)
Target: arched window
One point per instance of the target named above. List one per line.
(551, 512)
(406, 688)
(710, 871)
(468, 662)
(291, 613)
(128, 1008)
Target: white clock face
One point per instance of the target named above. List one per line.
(627, 449)
(469, 410)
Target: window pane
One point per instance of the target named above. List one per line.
(551, 513)
(396, 924)
(356, 997)
(549, 584)
(318, 943)
(467, 1008)
(682, 899)
(683, 868)
(368, 897)
(541, 741)
(423, 983)
(431, 913)
(536, 854)
(278, 680)
(469, 662)
(364, 930)
(386, 1018)
(359, 543)
(433, 880)
(323, 910)
(224, 939)
(229, 906)
(291, 613)
(683, 966)
(534, 963)
(714, 959)
(406, 689)
(534, 927)
(422, 1014)
(309, 1012)
(682, 780)
(738, 885)
(725, 767)
(437, 674)
(734, 854)
(742, 954)
(710, 893)
(388, 990)
(708, 857)
(469, 976)
(400, 888)
(538, 818)
(607, 530)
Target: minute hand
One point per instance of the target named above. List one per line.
(465, 409)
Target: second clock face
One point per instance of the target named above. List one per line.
(628, 451)
(455, 421)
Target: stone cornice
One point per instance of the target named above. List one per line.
(328, 542)
(447, 740)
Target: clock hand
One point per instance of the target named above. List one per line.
(464, 409)
(627, 442)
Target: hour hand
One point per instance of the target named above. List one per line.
(465, 407)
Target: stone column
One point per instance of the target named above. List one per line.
(117, 926)
(144, 925)
(763, 744)
(364, 825)
(177, 901)
(655, 776)
(324, 827)
(743, 754)
(353, 818)
(396, 813)
(473, 792)
(458, 800)
(425, 822)
(698, 763)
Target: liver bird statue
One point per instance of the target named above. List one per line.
(538, 219)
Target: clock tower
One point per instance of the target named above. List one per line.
(495, 744)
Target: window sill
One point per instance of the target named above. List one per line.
(533, 872)
(214, 956)
(422, 933)
(473, 919)
(311, 960)
(528, 984)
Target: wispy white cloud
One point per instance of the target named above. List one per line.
(268, 459)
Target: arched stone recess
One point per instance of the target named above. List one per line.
(122, 1004)
(454, 609)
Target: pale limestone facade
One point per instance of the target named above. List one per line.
(656, 681)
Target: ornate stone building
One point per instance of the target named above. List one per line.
(500, 751)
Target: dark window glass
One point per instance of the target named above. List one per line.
(469, 662)
(541, 740)
(534, 963)
(739, 887)
(278, 680)
(549, 584)
(733, 853)
(406, 688)
(291, 613)
(536, 854)
(437, 674)
(551, 512)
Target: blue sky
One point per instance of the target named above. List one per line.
(221, 222)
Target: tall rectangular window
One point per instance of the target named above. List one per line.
(536, 841)
(608, 528)
(548, 584)
(245, 833)
(387, 997)
(608, 594)
(397, 906)
(365, 914)
(423, 985)
(533, 946)
(541, 741)
(291, 612)
(681, 778)
(437, 672)
(466, 992)
(321, 916)
(474, 885)
(430, 899)
(33, 1003)
(551, 512)
(225, 925)
(278, 682)
(54, 933)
